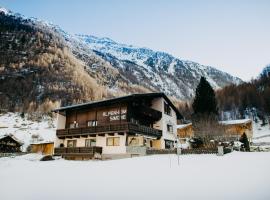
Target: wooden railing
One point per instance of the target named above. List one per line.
(200, 151)
(77, 150)
(124, 127)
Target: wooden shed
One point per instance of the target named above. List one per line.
(10, 144)
(239, 127)
(185, 131)
(46, 148)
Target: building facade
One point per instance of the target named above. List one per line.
(119, 127)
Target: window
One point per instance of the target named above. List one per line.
(71, 143)
(134, 141)
(113, 141)
(169, 128)
(90, 142)
(167, 109)
(92, 123)
(73, 125)
(169, 144)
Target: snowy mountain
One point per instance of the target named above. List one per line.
(156, 70)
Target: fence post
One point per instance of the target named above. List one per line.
(220, 151)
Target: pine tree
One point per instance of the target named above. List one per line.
(205, 100)
(245, 141)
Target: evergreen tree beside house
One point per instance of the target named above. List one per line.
(205, 116)
(245, 142)
(205, 101)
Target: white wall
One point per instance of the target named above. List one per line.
(121, 149)
(61, 121)
(158, 104)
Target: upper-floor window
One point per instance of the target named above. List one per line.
(92, 123)
(167, 109)
(113, 141)
(73, 125)
(90, 142)
(170, 128)
(71, 143)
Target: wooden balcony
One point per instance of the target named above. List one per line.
(77, 151)
(148, 112)
(111, 128)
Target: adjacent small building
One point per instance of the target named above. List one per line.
(117, 128)
(238, 127)
(233, 129)
(10, 144)
(45, 148)
(185, 130)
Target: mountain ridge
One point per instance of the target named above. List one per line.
(119, 55)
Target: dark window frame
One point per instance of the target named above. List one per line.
(113, 143)
(167, 109)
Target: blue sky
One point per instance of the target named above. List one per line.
(232, 35)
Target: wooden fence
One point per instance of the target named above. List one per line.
(200, 151)
(160, 151)
(12, 154)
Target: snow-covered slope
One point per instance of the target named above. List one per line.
(156, 70)
(261, 134)
(27, 130)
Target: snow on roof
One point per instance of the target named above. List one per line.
(239, 121)
(42, 142)
(12, 136)
(183, 126)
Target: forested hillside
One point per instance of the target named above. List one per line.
(247, 96)
(38, 70)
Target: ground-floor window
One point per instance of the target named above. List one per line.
(90, 142)
(113, 141)
(169, 144)
(134, 141)
(71, 143)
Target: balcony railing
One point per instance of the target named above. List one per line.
(77, 150)
(148, 112)
(111, 128)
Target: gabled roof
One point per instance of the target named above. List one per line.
(119, 100)
(12, 137)
(182, 126)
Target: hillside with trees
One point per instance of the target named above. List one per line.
(37, 70)
(253, 96)
(250, 99)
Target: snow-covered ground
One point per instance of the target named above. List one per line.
(27, 130)
(238, 175)
(261, 134)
